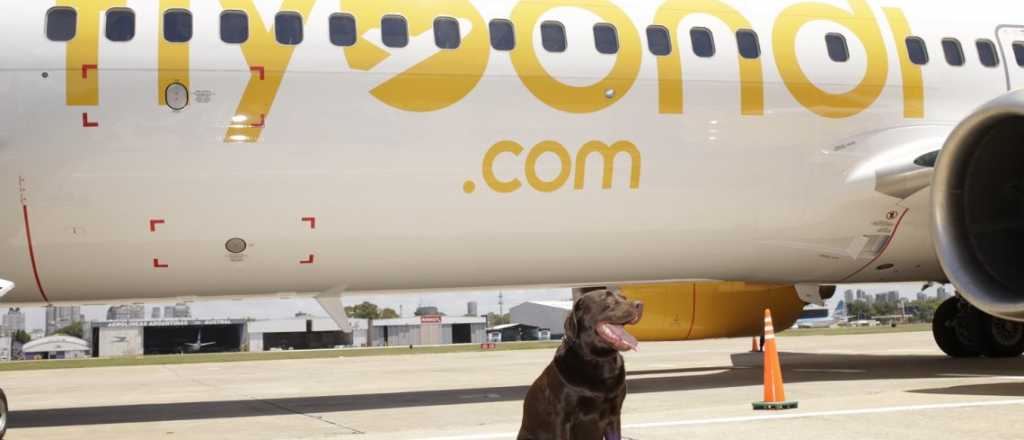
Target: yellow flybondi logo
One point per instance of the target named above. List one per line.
(607, 154)
(268, 61)
(440, 80)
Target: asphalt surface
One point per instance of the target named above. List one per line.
(848, 387)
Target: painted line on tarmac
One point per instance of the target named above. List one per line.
(724, 420)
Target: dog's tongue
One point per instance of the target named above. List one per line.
(623, 340)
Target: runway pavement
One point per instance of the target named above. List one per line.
(849, 387)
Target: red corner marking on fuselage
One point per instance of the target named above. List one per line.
(157, 264)
(311, 220)
(308, 260)
(258, 69)
(86, 68)
(154, 222)
(86, 123)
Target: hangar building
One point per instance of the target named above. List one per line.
(543, 315)
(428, 330)
(303, 333)
(133, 337)
(56, 347)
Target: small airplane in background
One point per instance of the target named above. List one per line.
(819, 317)
(193, 347)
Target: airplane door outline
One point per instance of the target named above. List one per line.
(1006, 35)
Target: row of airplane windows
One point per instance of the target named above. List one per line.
(61, 25)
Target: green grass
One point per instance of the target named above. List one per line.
(198, 358)
(857, 330)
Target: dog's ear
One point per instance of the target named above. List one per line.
(571, 327)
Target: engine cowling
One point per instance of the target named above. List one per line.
(978, 207)
(702, 310)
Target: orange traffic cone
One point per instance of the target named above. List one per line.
(774, 395)
(754, 347)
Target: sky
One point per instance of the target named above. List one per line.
(450, 303)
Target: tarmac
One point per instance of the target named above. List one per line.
(849, 387)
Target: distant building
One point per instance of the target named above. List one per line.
(126, 311)
(471, 308)
(427, 310)
(179, 310)
(921, 296)
(941, 293)
(13, 321)
(892, 296)
(427, 330)
(56, 347)
(863, 296)
(543, 315)
(58, 317)
(848, 296)
(517, 332)
(156, 313)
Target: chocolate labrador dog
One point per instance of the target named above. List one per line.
(580, 393)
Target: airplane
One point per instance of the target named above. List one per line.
(194, 347)
(821, 317)
(711, 157)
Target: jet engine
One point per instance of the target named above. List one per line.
(702, 310)
(978, 203)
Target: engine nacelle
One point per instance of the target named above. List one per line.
(978, 203)
(702, 310)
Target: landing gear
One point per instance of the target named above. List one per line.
(961, 330)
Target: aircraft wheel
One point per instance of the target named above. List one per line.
(3, 414)
(953, 329)
(1001, 338)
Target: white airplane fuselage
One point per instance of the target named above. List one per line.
(382, 169)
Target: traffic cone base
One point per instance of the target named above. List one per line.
(775, 405)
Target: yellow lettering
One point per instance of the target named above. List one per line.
(564, 162)
(913, 84)
(565, 97)
(861, 21)
(269, 61)
(172, 58)
(488, 167)
(608, 154)
(438, 81)
(670, 71)
(82, 56)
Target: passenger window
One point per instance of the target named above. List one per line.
(606, 39)
(120, 24)
(234, 27)
(953, 51)
(748, 44)
(838, 51)
(658, 41)
(61, 24)
(917, 51)
(503, 36)
(987, 53)
(1018, 52)
(552, 36)
(446, 33)
(394, 31)
(177, 26)
(703, 42)
(342, 29)
(288, 28)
